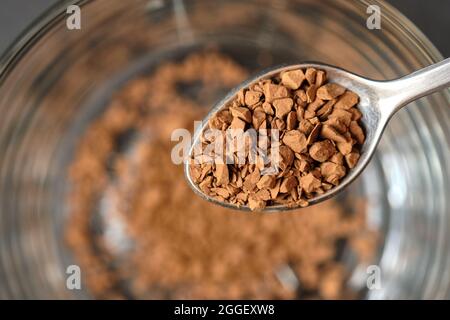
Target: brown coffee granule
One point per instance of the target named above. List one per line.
(315, 119)
(159, 240)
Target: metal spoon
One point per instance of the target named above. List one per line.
(379, 100)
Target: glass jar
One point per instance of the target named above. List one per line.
(53, 80)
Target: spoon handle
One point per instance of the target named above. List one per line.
(418, 84)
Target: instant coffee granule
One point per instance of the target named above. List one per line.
(318, 141)
(139, 232)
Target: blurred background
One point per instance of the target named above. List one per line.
(430, 16)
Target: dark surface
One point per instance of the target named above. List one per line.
(431, 16)
(16, 15)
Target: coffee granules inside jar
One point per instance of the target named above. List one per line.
(138, 231)
(319, 138)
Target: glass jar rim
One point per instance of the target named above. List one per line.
(404, 27)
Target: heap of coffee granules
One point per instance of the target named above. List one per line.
(319, 133)
(158, 239)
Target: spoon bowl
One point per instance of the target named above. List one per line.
(379, 100)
